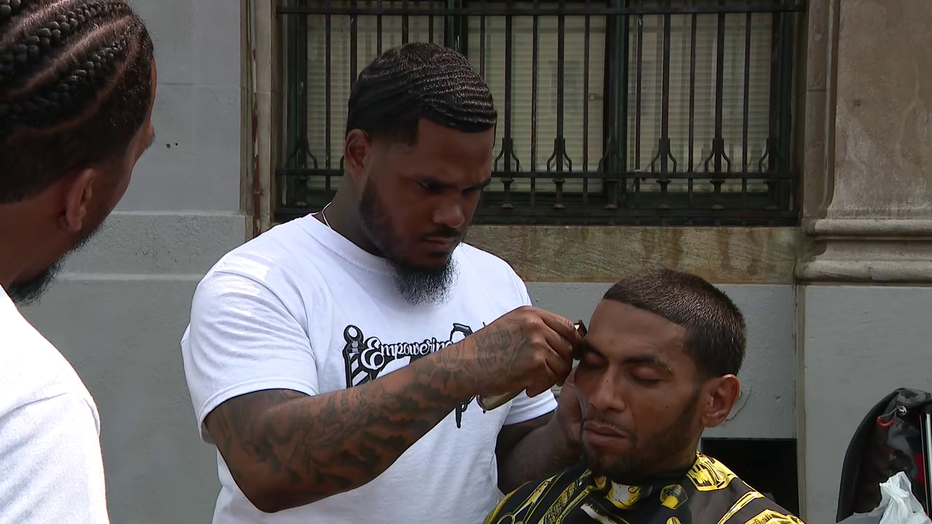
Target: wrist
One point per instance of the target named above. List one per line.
(457, 362)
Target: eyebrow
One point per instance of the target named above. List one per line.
(152, 140)
(652, 360)
(444, 185)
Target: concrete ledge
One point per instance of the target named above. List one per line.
(870, 228)
(869, 250)
(905, 272)
(726, 255)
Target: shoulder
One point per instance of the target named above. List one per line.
(748, 506)
(32, 370)
(533, 493)
(275, 260)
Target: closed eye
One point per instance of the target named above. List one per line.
(645, 380)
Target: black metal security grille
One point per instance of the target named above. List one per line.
(660, 112)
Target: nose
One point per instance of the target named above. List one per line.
(607, 397)
(450, 215)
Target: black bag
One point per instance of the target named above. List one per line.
(890, 439)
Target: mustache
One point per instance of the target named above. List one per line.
(444, 232)
(605, 423)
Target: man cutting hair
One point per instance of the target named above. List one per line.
(335, 360)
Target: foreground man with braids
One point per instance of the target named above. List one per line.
(77, 84)
(657, 367)
(334, 361)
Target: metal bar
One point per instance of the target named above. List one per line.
(301, 73)
(681, 175)
(719, 88)
(707, 215)
(462, 33)
(718, 143)
(623, 34)
(797, 6)
(561, 56)
(639, 61)
(774, 120)
(692, 102)
(509, 95)
(404, 19)
(665, 96)
(482, 46)
(534, 65)
(585, 152)
(430, 27)
(664, 149)
(786, 89)
(378, 31)
(353, 48)
(327, 77)
(560, 143)
(747, 102)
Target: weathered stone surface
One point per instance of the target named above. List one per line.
(602, 254)
(868, 206)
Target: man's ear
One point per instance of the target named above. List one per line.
(720, 397)
(77, 191)
(356, 154)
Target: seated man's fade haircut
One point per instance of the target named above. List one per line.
(715, 329)
(415, 81)
(75, 87)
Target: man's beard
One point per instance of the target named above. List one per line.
(416, 284)
(26, 292)
(647, 451)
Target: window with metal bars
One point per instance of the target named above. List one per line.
(663, 112)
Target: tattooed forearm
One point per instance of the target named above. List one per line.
(532, 450)
(285, 449)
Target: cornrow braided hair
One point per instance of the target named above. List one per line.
(75, 87)
(419, 80)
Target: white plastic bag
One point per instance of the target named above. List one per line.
(902, 507)
(898, 505)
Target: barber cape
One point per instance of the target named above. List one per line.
(708, 493)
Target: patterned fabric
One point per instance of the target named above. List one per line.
(708, 493)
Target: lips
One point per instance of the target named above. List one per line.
(443, 243)
(601, 435)
(603, 430)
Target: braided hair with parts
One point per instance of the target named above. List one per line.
(414, 81)
(75, 87)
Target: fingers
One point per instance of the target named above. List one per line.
(544, 381)
(560, 358)
(561, 325)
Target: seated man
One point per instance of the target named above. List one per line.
(657, 367)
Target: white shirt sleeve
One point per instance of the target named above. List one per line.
(244, 338)
(524, 408)
(50, 463)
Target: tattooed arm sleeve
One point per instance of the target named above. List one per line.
(286, 449)
(252, 373)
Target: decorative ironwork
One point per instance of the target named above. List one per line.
(681, 180)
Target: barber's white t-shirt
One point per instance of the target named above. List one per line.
(302, 308)
(50, 462)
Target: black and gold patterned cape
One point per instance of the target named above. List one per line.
(708, 493)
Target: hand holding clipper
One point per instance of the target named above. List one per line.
(490, 402)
